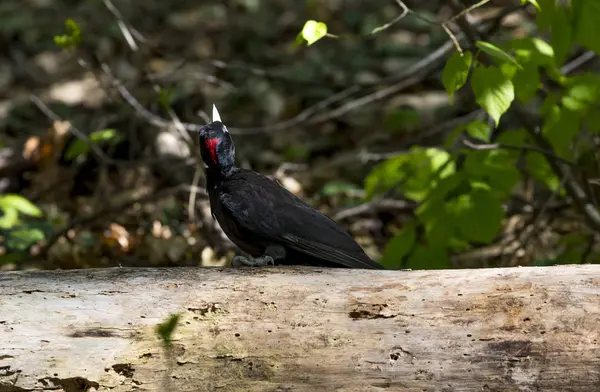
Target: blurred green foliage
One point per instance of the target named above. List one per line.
(465, 205)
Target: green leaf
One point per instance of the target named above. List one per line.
(514, 136)
(560, 128)
(427, 167)
(313, 31)
(385, 176)
(299, 40)
(20, 204)
(429, 257)
(526, 82)
(64, 41)
(73, 36)
(587, 21)
(496, 52)
(479, 130)
(165, 329)
(79, 147)
(416, 173)
(544, 50)
(478, 215)
(165, 97)
(23, 239)
(545, 14)
(508, 70)
(592, 121)
(73, 29)
(532, 51)
(337, 187)
(456, 72)
(441, 162)
(452, 137)
(583, 93)
(538, 167)
(104, 135)
(398, 247)
(561, 38)
(497, 168)
(10, 218)
(439, 226)
(534, 2)
(493, 92)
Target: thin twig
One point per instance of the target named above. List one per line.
(496, 146)
(105, 159)
(373, 206)
(193, 191)
(405, 11)
(122, 25)
(416, 73)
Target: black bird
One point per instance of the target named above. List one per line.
(264, 219)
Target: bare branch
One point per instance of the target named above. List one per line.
(374, 206)
(495, 146)
(414, 74)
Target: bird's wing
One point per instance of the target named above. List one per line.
(330, 253)
(261, 207)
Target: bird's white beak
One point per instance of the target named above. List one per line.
(215, 114)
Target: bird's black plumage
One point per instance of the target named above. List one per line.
(263, 218)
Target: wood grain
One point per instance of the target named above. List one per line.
(302, 329)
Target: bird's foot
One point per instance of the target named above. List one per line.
(240, 261)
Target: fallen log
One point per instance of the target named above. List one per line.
(302, 329)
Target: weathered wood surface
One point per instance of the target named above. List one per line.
(302, 329)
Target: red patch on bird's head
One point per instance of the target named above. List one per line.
(211, 146)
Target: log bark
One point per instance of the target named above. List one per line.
(302, 329)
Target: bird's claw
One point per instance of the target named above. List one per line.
(240, 261)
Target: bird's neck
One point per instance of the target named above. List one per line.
(219, 172)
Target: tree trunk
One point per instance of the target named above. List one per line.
(302, 329)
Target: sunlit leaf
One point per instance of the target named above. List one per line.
(496, 168)
(20, 204)
(456, 72)
(386, 175)
(479, 130)
(80, 147)
(538, 167)
(71, 38)
(493, 91)
(313, 31)
(532, 51)
(496, 52)
(9, 218)
(534, 2)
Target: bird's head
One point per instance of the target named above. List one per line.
(216, 146)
